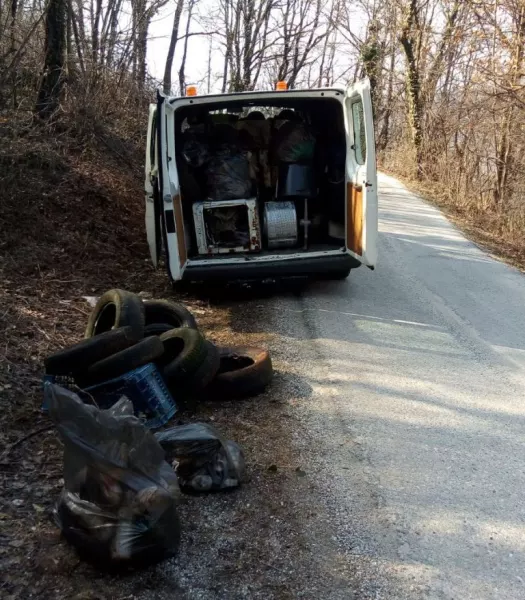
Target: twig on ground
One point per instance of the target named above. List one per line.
(24, 439)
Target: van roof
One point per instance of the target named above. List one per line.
(262, 94)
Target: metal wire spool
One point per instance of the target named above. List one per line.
(280, 225)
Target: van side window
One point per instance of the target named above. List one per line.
(358, 118)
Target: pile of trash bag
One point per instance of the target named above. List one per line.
(118, 505)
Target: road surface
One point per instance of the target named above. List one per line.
(416, 418)
(387, 460)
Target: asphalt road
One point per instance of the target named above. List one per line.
(416, 417)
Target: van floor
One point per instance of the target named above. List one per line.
(277, 252)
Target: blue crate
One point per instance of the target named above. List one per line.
(144, 386)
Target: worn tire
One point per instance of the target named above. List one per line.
(116, 308)
(169, 313)
(244, 371)
(142, 353)
(184, 351)
(157, 329)
(187, 392)
(78, 358)
(208, 369)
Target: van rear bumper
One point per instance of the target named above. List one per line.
(272, 269)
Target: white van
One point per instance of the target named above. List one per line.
(259, 185)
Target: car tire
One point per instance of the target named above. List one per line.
(243, 372)
(188, 392)
(189, 364)
(208, 369)
(184, 351)
(116, 308)
(81, 356)
(169, 313)
(157, 329)
(142, 353)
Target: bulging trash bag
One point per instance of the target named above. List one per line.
(118, 505)
(228, 174)
(294, 143)
(203, 460)
(194, 150)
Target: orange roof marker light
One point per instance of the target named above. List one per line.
(191, 90)
(281, 86)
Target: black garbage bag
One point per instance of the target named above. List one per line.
(228, 174)
(194, 150)
(294, 143)
(118, 506)
(204, 462)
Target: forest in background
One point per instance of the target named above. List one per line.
(447, 75)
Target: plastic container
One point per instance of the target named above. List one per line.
(144, 386)
(296, 181)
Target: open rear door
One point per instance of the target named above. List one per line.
(361, 175)
(170, 200)
(153, 230)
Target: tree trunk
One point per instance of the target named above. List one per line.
(12, 46)
(384, 136)
(171, 50)
(55, 47)
(141, 49)
(182, 69)
(413, 84)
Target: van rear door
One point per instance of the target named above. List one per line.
(361, 175)
(169, 192)
(153, 231)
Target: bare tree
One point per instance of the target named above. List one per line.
(182, 69)
(245, 36)
(54, 57)
(172, 46)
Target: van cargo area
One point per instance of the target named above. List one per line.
(261, 179)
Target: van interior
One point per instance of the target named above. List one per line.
(264, 179)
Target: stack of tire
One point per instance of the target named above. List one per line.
(124, 333)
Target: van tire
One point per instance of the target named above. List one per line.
(168, 312)
(116, 308)
(142, 353)
(81, 356)
(243, 372)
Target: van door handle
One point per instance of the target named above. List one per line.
(368, 184)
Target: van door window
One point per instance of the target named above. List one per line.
(359, 132)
